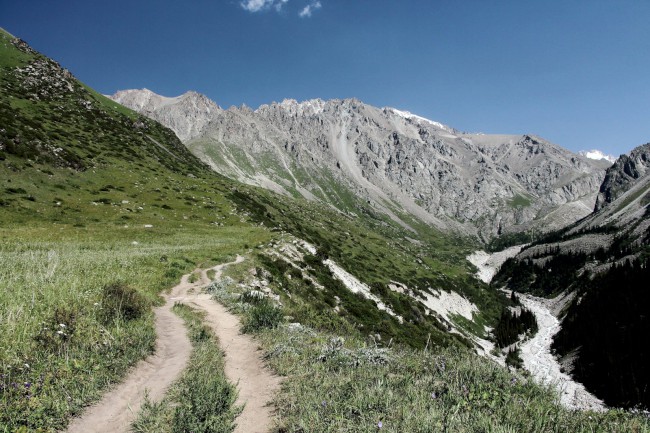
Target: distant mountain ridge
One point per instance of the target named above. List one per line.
(355, 156)
(187, 115)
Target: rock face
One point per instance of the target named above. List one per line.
(625, 172)
(353, 155)
(187, 115)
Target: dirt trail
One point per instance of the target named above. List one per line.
(117, 409)
(243, 365)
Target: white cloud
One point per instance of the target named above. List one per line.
(307, 11)
(279, 4)
(258, 5)
(261, 5)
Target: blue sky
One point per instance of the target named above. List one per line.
(574, 72)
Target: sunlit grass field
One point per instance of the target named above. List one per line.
(61, 339)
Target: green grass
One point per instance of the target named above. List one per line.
(202, 400)
(519, 201)
(338, 384)
(60, 280)
(9, 56)
(342, 381)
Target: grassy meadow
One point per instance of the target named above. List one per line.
(63, 338)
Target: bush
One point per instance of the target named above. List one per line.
(122, 302)
(262, 315)
(513, 358)
(56, 332)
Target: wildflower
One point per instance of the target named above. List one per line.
(513, 381)
(380, 424)
(324, 403)
(96, 304)
(28, 385)
(434, 395)
(62, 325)
(60, 332)
(26, 365)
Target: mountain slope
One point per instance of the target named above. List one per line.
(97, 199)
(70, 156)
(352, 155)
(601, 262)
(623, 174)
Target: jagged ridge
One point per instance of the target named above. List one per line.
(350, 154)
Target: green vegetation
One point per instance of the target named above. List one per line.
(511, 325)
(100, 210)
(508, 240)
(263, 315)
(202, 401)
(342, 381)
(519, 201)
(93, 283)
(608, 327)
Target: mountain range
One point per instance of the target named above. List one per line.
(351, 155)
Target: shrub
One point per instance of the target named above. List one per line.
(206, 404)
(56, 332)
(513, 358)
(122, 302)
(253, 297)
(262, 315)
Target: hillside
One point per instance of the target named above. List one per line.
(354, 156)
(601, 263)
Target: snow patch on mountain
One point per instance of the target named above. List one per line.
(411, 116)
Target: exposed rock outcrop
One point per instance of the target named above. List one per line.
(623, 174)
(349, 154)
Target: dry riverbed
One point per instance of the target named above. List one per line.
(536, 352)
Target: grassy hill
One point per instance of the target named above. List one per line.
(101, 209)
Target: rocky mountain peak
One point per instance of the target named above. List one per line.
(187, 114)
(352, 156)
(623, 174)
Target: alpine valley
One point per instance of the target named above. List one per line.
(338, 234)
